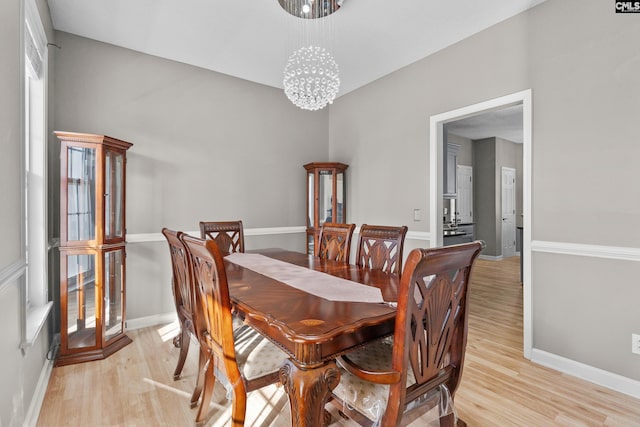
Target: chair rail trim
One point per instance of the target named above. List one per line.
(579, 249)
(158, 237)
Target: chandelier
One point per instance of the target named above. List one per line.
(311, 75)
(311, 78)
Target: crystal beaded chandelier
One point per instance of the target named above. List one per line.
(311, 75)
(311, 78)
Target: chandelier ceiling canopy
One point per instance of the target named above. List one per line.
(310, 9)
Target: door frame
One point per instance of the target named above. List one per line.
(436, 180)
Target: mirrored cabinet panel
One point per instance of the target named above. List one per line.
(326, 189)
(92, 246)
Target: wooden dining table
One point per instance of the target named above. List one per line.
(313, 331)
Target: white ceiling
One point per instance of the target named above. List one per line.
(505, 123)
(252, 39)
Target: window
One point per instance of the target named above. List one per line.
(35, 296)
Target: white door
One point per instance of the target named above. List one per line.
(465, 194)
(508, 212)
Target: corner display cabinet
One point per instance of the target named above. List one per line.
(92, 247)
(325, 195)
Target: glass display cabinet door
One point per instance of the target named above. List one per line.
(339, 192)
(81, 194)
(113, 196)
(82, 300)
(113, 293)
(325, 196)
(311, 212)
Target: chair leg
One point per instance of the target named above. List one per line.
(209, 383)
(200, 377)
(327, 418)
(239, 405)
(184, 349)
(176, 340)
(448, 420)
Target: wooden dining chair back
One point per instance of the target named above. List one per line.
(335, 242)
(182, 295)
(242, 359)
(229, 235)
(380, 247)
(428, 346)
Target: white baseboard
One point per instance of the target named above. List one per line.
(595, 375)
(156, 319)
(33, 412)
(491, 257)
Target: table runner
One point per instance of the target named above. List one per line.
(314, 282)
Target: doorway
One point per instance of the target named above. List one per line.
(437, 123)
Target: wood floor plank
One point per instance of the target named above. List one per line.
(134, 387)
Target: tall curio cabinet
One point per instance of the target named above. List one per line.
(92, 246)
(326, 188)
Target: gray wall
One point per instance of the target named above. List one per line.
(206, 147)
(581, 64)
(19, 371)
(465, 152)
(10, 124)
(485, 201)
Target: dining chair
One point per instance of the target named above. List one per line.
(184, 298)
(335, 241)
(242, 359)
(380, 247)
(229, 235)
(420, 366)
(182, 295)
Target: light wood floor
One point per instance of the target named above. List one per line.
(134, 387)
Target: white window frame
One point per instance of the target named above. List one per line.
(34, 183)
